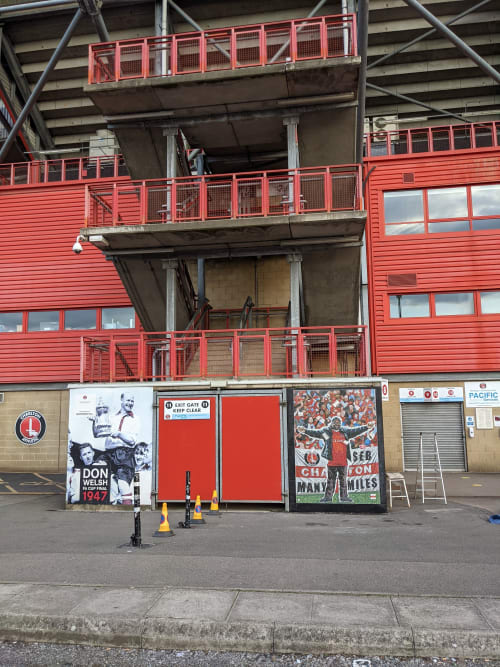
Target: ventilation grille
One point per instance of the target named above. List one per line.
(409, 177)
(402, 279)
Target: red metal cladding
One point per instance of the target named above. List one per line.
(250, 454)
(319, 37)
(39, 272)
(186, 444)
(448, 262)
(224, 196)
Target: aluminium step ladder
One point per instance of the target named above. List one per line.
(429, 472)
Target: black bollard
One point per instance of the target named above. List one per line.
(135, 539)
(187, 522)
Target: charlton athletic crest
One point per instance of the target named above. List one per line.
(30, 427)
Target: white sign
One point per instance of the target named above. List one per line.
(187, 408)
(85, 404)
(470, 421)
(431, 394)
(484, 418)
(482, 394)
(413, 395)
(448, 393)
(385, 390)
(496, 420)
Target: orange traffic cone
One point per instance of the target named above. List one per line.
(214, 505)
(197, 518)
(164, 529)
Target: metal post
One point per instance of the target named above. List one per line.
(100, 27)
(362, 24)
(40, 84)
(459, 43)
(187, 519)
(135, 539)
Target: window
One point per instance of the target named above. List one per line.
(11, 322)
(485, 199)
(118, 318)
(47, 320)
(458, 303)
(490, 302)
(447, 203)
(442, 210)
(409, 305)
(80, 319)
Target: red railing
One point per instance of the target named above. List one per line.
(58, 171)
(432, 139)
(224, 49)
(242, 195)
(234, 353)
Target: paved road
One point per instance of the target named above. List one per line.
(430, 550)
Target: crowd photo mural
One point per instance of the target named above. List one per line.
(337, 460)
(110, 438)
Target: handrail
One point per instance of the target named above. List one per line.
(217, 196)
(418, 140)
(237, 353)
(62, 170)
(245, 313)
(319, 37)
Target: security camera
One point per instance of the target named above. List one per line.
(77, 246)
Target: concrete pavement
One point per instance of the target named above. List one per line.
(417, 582)
(261, 621)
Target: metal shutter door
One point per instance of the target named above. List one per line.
(444, 419)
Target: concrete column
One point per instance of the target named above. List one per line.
(171, 134)
(291, 124)
(170, 266)
(295, 280)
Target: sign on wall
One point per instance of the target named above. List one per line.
(482, 394)
(385, 390)
(186, 408)
(336, 454)
(110, 438)
(30, 427)
(431, 394)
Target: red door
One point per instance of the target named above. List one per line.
(186, 442)
(251, 448)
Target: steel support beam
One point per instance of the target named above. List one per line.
(426, 34)
(29, 6)
(441, 112)
(459, 43)
(40, 83)
(196, 26)
(362, 24)
(25, 90)
(287, 43)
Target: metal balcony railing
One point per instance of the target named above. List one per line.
(224, 49)
(231, 353)
(61, 171)
(242, 195)
(432, 139)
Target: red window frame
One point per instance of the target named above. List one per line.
(432, 307)
(427, 219)
(62, 311)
